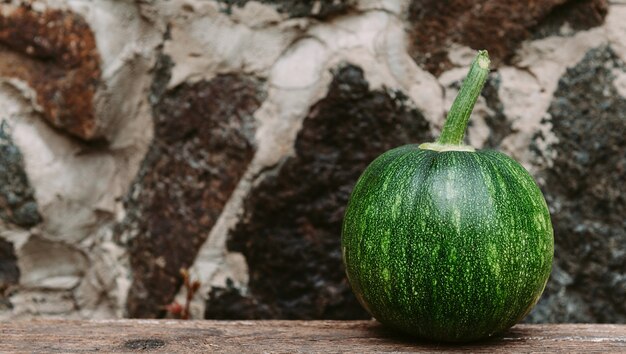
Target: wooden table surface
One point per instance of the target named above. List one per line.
(169, 336)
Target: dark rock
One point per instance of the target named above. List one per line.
(17, 197)
(496, 25)
(162, 71)
(499, 126)
(291, 230)
(586, 193)
(202, 146)
(299, 8)
(9, 272)
(229, 304)
(162, 75)
(577, 14)
(55, 52)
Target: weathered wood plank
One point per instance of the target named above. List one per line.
(168, 336)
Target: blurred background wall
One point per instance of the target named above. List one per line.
(142, 137)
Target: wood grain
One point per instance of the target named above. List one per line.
(168, 336)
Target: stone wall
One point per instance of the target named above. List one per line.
(141, 137)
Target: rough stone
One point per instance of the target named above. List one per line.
(570, 17)
(55, 52)
(17, 201)
(586, 193)
(46, 264)
(203, 142)
(496, 25)
(229, 303)
(291, 228)
(296, 8)
(232, 46)
(44, 303)
(9, 271)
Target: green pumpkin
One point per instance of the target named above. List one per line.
(444, 242)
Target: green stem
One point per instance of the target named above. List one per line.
(459, 115)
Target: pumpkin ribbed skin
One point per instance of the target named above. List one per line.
(448, 246)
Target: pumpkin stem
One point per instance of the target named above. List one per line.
(459, 115)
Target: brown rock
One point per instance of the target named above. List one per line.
(578, 15)
(202, 146)
(55, 53)
(496, 25)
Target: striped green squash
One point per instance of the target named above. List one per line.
(444, 242)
